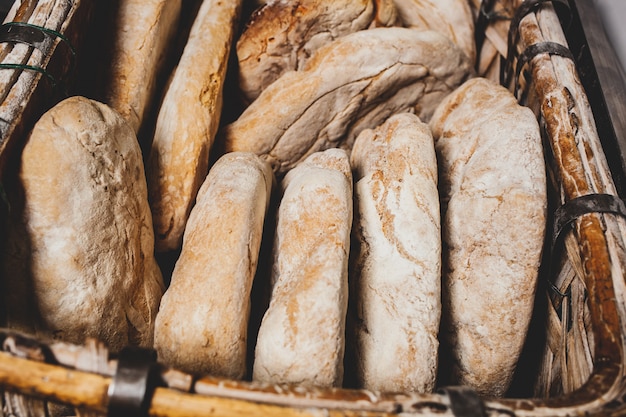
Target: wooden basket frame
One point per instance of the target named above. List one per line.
(58, 372)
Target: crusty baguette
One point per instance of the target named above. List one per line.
(301, 338)
(453, 18)
(493, 196)
(88, 224)
(201, 327)
(396, 276)
(282, 36)
(144, 34)
(343, 90)
(188, 120)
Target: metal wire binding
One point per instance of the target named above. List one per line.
(524, 9)
(34, 36)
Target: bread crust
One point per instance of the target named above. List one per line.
(145, 32)
(302, 335)
(493, 197)
(342, 91)
(188, 121)
(201, 327)
(452, 18)
(89, 227)
(282, 36)
(396, 275)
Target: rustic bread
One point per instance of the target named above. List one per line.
(386, 14)
(201, 327)
(493, 197)
(453, 18)
(144, 32)
(89, 227)
(282, 36)
(188, 120)
(302, 335)
(396, 276)
(342, 91)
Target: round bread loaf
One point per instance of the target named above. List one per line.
(302, 335)
(202, 325)
(452, 18)
(145, 31)
(343, 90)
(493, 197)
(89, 227)
(396, 277)
(282, 36)
(188, 120)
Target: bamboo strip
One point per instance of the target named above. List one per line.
(21, 82)
(582, 170)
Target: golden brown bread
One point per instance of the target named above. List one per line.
(493, 197)
(202, 324)
(188, 120)
(452, 18)
(88, 226)
(396, 274)
(342, 91)
(282, 35)
(302, 335)
(144, 35)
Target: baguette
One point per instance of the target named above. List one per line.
(396, 275)
(188, 121)
(302, 334)
(88, 224)
(493, 197)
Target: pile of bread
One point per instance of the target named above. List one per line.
(400, 196)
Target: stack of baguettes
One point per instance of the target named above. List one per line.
(401, 194)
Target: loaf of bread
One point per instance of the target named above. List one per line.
(202, 325)
(144, 32)
(452, 18)
(395, 280)
(188, 121)
(89, 227)
(302, 335)
(386, 14)
(282, 36)
(493, 197)
(343, 90)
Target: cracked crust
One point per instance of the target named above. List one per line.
(493, 197)
(89, 226)
(342, 90)
(282, 36)
(201, 327)
(302, 335)
(395, 279)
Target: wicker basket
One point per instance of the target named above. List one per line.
(573, 363)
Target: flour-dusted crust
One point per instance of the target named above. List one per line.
(302, 335)
(452, 18)
(343, 90)
(144, 33)
(282, 35)
(493, 196)
(188, 121)
(202, 325)
(396, 276)
(89, 227)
